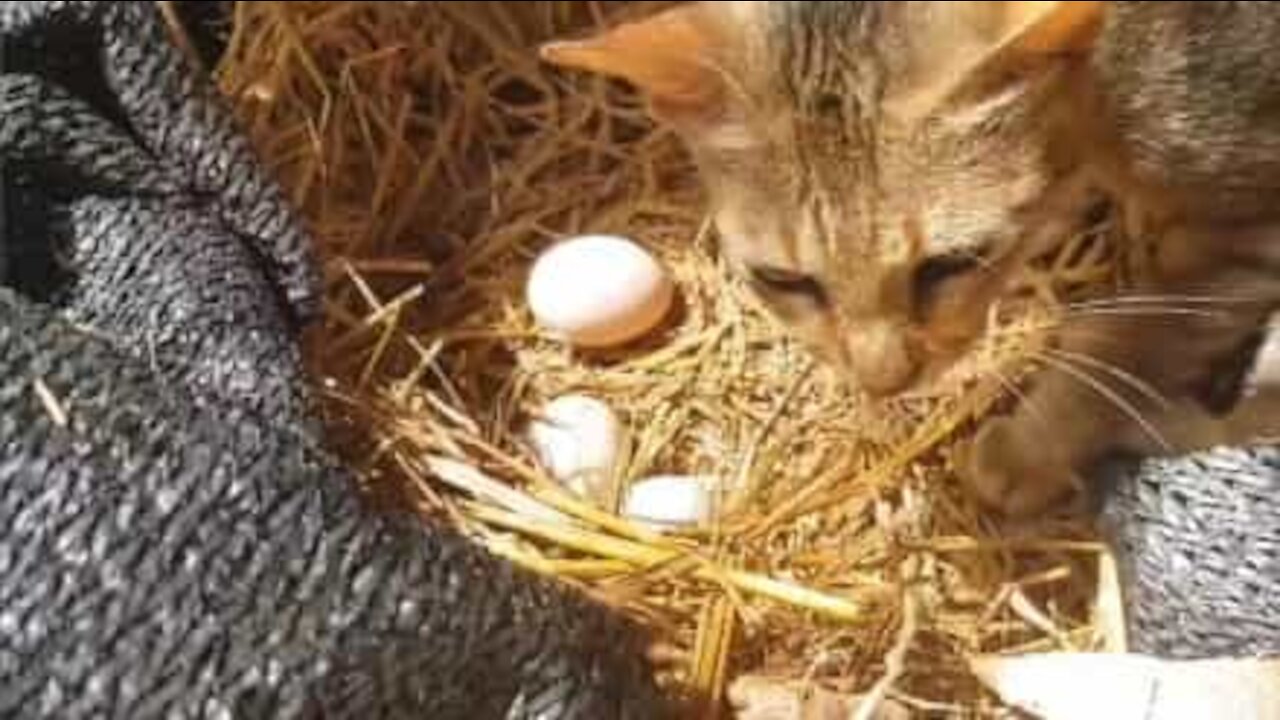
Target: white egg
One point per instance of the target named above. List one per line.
(598, 291)
(670, 500)
(579, 439)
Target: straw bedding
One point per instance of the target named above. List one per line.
(434, 157)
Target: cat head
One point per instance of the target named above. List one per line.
(868, 163)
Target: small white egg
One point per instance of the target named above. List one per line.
(670, 500)
(598, 291)
(578, 439)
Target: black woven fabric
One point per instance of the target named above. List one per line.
(173, 540)
(171, 556)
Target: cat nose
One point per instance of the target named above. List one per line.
(882, 359)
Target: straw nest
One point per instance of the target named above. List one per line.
(434, 157)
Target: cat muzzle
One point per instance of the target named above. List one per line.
(882, 359)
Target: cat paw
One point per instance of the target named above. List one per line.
(1013, 471)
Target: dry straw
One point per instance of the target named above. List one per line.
(433, 156)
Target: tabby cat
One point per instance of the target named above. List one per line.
(879, 170)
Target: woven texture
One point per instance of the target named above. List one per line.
(168, 556)
(1198, 540)
(174, 542)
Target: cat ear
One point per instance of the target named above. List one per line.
(967, 45)
(667, 56)
(1050, 27)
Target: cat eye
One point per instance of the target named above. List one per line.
(934, 272)
(788, 282)
(938, 269)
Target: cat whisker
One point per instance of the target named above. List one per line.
(1145, 312)
(1108, 394)
(1043, 328)
(1131, 306)
(1166, 300)
(1023, 399)
(1058, 323)
(1133, 381)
